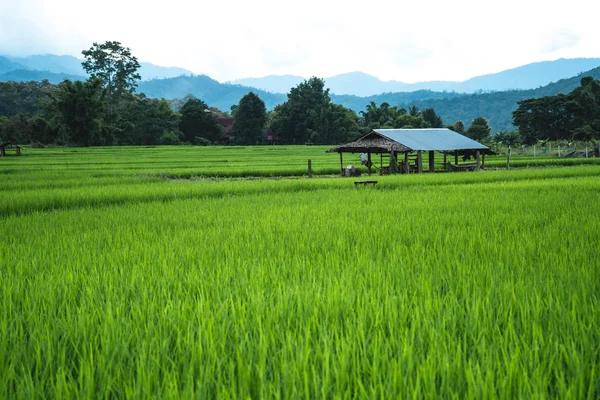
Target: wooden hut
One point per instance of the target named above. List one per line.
(411, 143)
(8, 144)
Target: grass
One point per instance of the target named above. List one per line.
(465, 285)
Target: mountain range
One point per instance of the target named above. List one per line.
(51, 67)
(491, 100)
(528, 76)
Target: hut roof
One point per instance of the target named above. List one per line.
(371, 142)
(402, 140)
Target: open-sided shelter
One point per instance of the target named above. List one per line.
(8, 144)
(407, 141)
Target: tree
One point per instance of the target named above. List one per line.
(301, 116)
(198, 121)
(479, 129)
(508, 139)
(114, 65)
(77, 109)
(250, 118)
(143, 121)
(409, 121)
(432, 119)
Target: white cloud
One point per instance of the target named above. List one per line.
(559, 39)
(414, 41)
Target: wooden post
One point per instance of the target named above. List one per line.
(456, 158)
(586, 152)
(508, 158)
(341, 165)
(431, 161)
(369, 161)
(310, 169)
(445, 160)
(419, 161)
(477, 161)
(406, 168)
(380, 161)
(559, 150)
(534, 150)
(482, 160)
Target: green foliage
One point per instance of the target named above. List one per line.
(77, 109)
(432, 120)
(23, 98)
(309, 115)
(198, 120)
(114, 65)
(479, 130)
(376, 117)
(250, 118)
(512, 138)
(142, 121)
(169, 138)
(575, 116)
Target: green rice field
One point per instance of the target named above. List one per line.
(187, 272)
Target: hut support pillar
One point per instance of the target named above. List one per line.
(482, 160)
(341, 164)
(456, 158)
(406, 168)
(477, 160)
(431, 161)
(369, 162)
(419, 161)
(445, 160)
(380, 161)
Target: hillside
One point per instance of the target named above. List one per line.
(220, 95)
(7, 65)
(24, 75)
(525, 77)
(48, 64)
(497, 107)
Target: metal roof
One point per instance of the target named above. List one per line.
(441, 139)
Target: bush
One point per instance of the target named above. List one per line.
(200, 141)
(169, 137)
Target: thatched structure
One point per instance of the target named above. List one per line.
(5, 145)
(407, 141)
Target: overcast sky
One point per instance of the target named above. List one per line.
(407, 41)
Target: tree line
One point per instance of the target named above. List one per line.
(106, 110)
(575, 116)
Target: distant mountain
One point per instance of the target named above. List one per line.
(497, 107)
(71, 66)
(271, 83)
(25, 75)
(52, 63)
(529, 76)
(220, 95)
(150, 71)
(7, 65)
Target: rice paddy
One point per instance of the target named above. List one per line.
(121, 279)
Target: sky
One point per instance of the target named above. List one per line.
(408, 41)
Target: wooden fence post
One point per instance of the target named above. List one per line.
(309, 169)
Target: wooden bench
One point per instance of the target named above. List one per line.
(461, 167)
(364, 183)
